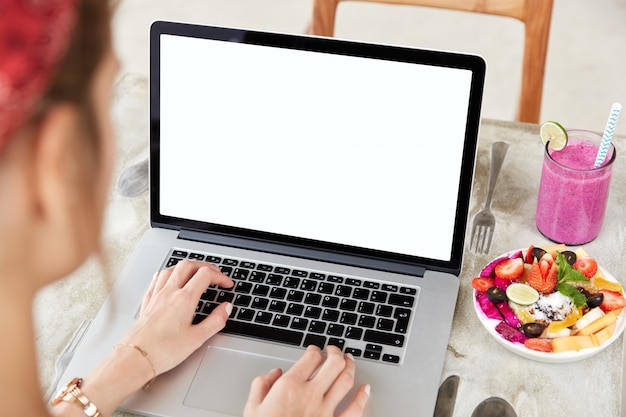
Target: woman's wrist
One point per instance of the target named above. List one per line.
(144, 354)
(116, 378)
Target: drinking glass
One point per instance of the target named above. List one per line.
(572, 193)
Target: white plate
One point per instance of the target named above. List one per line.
(558, 357)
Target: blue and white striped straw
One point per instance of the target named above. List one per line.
(609, 130)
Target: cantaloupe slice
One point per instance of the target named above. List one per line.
(605, 334)
(563, 344)
(598, 324)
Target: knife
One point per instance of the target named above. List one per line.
(66, 356)
(446, 397)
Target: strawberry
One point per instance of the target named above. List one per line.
(545, 263)
(510, 269)
(542, 282)
(541, 345)
(586, 265)
(612, 300)
(482, 284)
(529, 255)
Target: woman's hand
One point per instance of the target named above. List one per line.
(313, 387)
(164, 333)
(164, 329)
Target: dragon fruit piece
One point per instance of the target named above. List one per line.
(502, 283)
(490, 270)
(510, 333)
(509, 315)
(487, 306)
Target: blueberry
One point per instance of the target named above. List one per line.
(570, 256)
(594, 300)
(537, 253)
(496, 295)
(533, 329)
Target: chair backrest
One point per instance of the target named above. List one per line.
(535, 14)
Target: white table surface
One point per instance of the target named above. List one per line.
(589, 387)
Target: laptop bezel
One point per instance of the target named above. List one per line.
(276, 243)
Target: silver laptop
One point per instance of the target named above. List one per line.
(331, 180)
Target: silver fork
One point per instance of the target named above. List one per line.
(66, 356)
(484, 221)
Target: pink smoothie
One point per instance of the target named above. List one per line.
(572, 194)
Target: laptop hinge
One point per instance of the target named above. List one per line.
(300, 252)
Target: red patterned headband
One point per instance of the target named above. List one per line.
(34, 36)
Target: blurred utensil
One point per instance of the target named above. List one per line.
(134, 180)
(484, 221)
(494, 407)
(66, 356)
(446, 397)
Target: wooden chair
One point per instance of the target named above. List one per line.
(535, 14)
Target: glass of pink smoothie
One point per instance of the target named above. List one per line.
(572, 193)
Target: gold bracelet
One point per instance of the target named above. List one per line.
(73, 394)
(145, 355)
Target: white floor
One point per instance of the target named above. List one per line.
(585, 74)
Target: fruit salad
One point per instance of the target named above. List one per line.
(550, 299)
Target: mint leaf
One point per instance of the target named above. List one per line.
(566, 272)
(572, 292)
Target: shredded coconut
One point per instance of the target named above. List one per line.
(551, 307)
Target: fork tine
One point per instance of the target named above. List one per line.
(488, 236)
(475, 239)
(472, 243)
(481, 239)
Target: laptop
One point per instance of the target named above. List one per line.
(331, 180)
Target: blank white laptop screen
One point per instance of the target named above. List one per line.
(333, 148)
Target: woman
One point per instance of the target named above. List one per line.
(56, 155)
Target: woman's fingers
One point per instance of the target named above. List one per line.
(359, 401)
(215, 321)
(301, 390)
(304, 368)
(148, 295)
(204, 276)
(342, 383)
(261, 386)
(332, 367)
(185, 270)
(162, 278)
(182, 273)
(192, 276)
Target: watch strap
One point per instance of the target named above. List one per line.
(73, 394)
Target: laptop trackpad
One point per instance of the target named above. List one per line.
(222, 381)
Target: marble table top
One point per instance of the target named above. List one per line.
(589, 387)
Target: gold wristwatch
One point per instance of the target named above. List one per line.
(72, 394)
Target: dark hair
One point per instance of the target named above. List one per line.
(90, 39)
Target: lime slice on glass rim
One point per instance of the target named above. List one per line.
(522, 294)
(554, 133)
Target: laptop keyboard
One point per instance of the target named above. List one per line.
(369, 319)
